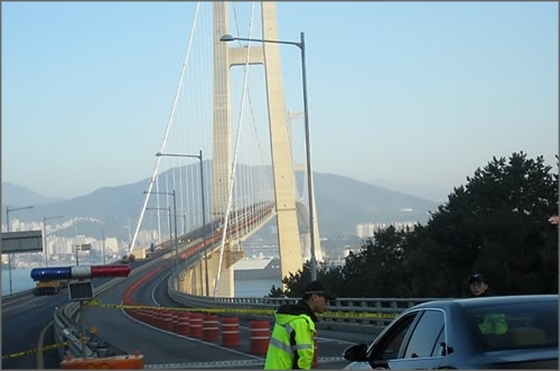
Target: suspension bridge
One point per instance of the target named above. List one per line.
(229, 152)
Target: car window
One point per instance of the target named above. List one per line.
(390, 344)
(520, 326)
(424, 338)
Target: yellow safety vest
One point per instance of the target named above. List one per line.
(291, 343)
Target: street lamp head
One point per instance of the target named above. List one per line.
(158, 154)
(227, 38)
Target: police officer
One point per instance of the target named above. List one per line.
(292, 341)
(492, 323)
(478, 286)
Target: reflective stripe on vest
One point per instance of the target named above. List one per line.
(282, 346)
(286, 347)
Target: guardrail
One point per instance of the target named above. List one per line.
(362, 311)
(66, 330)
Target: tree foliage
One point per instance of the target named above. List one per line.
(496, 224)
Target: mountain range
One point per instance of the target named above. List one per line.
(341, 204)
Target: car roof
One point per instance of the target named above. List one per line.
(487, 300)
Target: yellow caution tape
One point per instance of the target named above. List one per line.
(33, 351)
(245, 311)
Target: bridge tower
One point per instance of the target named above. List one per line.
(267, 54)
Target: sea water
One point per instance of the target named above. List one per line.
(255, 288)
(21, 280)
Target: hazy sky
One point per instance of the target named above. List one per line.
(401, 93)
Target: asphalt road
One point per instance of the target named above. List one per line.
(24, 322)
(28, 320)
(162, 349)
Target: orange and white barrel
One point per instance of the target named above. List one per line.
(167, 320)
(230, 332)
(210, 327)
(184, 325)
(315, 363)
(196, 325)
(260, 336)
(175, 321)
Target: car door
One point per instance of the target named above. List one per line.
(390, 344)
(425, 345)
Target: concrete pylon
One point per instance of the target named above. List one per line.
(284, 179)
(221, 164)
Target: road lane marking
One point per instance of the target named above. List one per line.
(40, 359)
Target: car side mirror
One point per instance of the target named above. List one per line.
(356, 353)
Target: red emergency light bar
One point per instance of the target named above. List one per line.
(80, 272)
(120, 270)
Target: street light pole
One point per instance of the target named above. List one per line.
(301, 46)
(199, 157)
(45, 236)
(8, 230)
(175, 222)
(169, 211)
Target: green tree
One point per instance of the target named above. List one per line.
(498, 224)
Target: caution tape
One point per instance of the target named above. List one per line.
(335, 314)
(33, 351)
(360, 315)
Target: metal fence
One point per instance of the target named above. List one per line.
(376, 312)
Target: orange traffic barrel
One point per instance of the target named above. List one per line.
(127, 362)
(196, 325)
(150, 317)
(143, 315)
(175, 315)
(230, 332)
(260, 336)
(167, 320)
(210, 327)
(315, 363)
(155, 318)
(184, 325)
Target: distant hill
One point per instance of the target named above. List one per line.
(341, 204)
(14, 195)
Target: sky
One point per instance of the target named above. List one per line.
(414, 96)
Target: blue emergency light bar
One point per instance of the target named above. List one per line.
(80, 272)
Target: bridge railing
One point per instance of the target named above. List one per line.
(360, 311)
(79, 341)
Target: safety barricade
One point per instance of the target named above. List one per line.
(315, 363)
(230, 332)
(167, 320)
(184, 324)
(260, 336)
(159, 318)
(175, 315)
(210, 327)
(196, 325)
(143, 317)
(151, 317)
(127, 362)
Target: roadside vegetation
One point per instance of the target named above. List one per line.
(502, 223)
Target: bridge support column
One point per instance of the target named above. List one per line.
(284, 183)
(226, 285)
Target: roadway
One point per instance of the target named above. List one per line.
(168, 350)
(27, 322)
